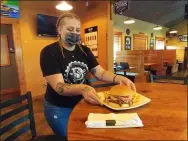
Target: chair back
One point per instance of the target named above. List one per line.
(16, 111)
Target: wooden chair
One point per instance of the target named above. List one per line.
(16, 111)
(169, 79)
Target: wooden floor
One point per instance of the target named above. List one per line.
(42, 126)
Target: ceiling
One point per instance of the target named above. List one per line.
(160, 12)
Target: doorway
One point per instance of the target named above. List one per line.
(159, 43)
(140, 42)
(12, 71)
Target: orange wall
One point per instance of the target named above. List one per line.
(32, 44)
(182, 29)
(98, 17)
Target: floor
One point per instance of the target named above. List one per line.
(181, 73)
(42, 126)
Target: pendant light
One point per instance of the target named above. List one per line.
(64, 6)
(157, 28)
(129, 21)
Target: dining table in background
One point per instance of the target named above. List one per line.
(126, 70)
(164, 118)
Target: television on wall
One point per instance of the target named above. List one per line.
(46, 25)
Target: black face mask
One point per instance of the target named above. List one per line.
(72, 39)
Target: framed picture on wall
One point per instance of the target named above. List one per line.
(182, 38)
(152, 44)
(127, 42)
(91, 39)
(5, 56)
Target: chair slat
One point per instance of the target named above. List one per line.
(12, 101)
(18, 133)
(13, 124)
(13, 112)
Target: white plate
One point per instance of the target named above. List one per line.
(142, 101)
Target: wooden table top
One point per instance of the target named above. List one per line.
(164, 118)
(123, 70)
(149, 64)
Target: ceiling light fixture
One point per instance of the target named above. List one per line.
(129, 21)
(64, 6)
(157, 27)
(173, 31)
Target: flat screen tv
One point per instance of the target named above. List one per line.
(46, 25)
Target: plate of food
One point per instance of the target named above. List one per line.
(122, 98)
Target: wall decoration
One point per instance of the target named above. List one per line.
(120, 6)
(182, 38)
(127, 42)
(128, 31)
(91, 39)
(5, 57)
(10, 8)
(152, 44)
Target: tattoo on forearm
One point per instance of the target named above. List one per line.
(61, 87)
(102, 75)
(93, 71)
(86, 89)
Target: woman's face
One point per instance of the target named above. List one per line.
(69, 25)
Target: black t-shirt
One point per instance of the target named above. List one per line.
(74, 67)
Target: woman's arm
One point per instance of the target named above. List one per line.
(57, 83)
(107, 76)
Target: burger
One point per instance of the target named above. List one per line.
(120, 96)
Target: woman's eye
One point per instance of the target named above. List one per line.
(77, 30)
(70, 29)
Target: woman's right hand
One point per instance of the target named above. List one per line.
(90, 95)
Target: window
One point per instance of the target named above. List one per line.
(160, 45)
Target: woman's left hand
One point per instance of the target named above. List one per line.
(125, 81)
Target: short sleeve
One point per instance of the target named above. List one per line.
(91, 59)
(49, 63)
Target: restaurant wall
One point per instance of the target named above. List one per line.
(33, 44)
(136, 28)
(182, 29)
(97, 16)
(174, 43)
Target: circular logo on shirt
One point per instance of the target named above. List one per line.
(76, 72)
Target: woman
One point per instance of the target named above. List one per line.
(65, 65)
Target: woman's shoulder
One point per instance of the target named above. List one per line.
(50, 48)
(84, 47)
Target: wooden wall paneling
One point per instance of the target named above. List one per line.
(134, 58)
(140, 42)
(154, 56)
(169, 56)
(5, 56)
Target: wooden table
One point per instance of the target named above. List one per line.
(125, 70)
(149, 64)
(164, 118)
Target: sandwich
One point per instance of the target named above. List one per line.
(120, 96)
